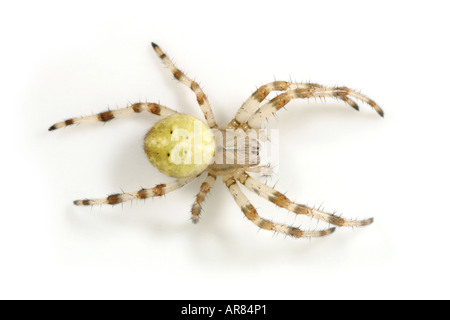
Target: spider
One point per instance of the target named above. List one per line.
(162, 147)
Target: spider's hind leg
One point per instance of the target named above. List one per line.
(105, 116)
(157, 191)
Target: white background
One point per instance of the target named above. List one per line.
(64, 59)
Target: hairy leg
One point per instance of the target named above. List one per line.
(204, 190)
(271, 107)
(250, 212)
(252, 103)
(157, 191)
(180, 76)
(282, 201)
(118, 113)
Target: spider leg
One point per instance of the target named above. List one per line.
(282, 201)
(204, 190)
(252, 103)
(264, 170)
(180, 76)
(271, 107)
(250, 212)
(159, 190)
(118, 113)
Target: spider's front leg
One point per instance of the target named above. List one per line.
(157, 191)
(250, 212)
(282, 201)
(251, 104)
(271, 107)
(105, 116)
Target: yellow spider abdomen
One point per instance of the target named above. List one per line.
(180, 145)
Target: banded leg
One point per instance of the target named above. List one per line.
(180, 76)
(204, 190)
(159, 190)
(269, 108)
(118, 113)
(250, 212)
(282, 201)
(252, 103)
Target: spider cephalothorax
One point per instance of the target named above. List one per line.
(184, 147)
